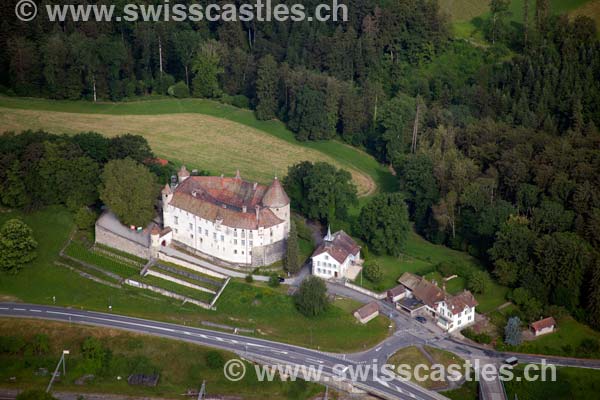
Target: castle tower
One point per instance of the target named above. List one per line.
(167, 195)
(182, 174)
(278, 201)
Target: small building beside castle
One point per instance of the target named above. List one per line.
(337, 257)
(227, 218)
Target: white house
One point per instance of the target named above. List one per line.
(337, 257)
(452, 312)
(229, 219)
(456, 312)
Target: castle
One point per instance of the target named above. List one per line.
(229, 219)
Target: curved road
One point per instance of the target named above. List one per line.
(275, 353)
(247, 347)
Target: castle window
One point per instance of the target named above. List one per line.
(250, 235)
(214, 235)
(176, 219)
(251, 243)
(191, 227)
(235, 242)
(243, 234)
(235, 233)
(222, 238)
(191, 235)
(235, 252)
(206, 232)
(243, 242)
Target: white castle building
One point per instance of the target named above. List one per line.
(229, 219)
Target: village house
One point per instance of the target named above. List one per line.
(227, 218)
(543, 326)
(367, 312)
(337, 257)
(452, 312)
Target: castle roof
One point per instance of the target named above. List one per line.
(339, 246)
(275, 195)
(233, 201)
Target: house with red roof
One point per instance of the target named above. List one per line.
(543, 326)
(337, 257)
(227, 218)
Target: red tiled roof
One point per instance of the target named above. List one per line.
(543, 324)
(158, 161)
(233, 192)
(367, 310)
(461, 301)
(340, 248)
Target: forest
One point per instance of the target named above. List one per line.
(496, 146)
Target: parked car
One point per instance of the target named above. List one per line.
(421, 319)
(281, 280)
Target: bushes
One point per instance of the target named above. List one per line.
(478, 282)
(214, 360)
(274, 280)
(483, 338)
(372, 271)
(179, 90)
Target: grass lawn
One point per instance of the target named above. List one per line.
(413, 356)
(564, 341)
(181, 366)
(80, 252)
(269, 311)
(201, 133)
(571, 383)
(420, 257)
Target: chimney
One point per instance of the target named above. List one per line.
(254, 186)
(244, 208)
(257, 209)
(237, 174)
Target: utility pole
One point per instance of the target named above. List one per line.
(413, 148)
(54, 374)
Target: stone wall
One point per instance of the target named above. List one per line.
(378, 296)
(166, 293)
(179, 281)
(111, 239)
(193, 267)
(268, 254)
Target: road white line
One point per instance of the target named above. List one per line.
(32, 310)
(4, 308)
(19, 309)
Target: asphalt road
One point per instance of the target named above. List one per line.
(246, 347)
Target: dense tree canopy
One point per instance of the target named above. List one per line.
(311, 298)
(384, 223)
(129, 190)
(320, 190)
(17, 246)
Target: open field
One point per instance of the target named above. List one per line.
(563, 342)
(181, 365)
(414, 356)
(270, 312)
(590, 9)
(201, 133)
(571, 383)
(465, 10)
